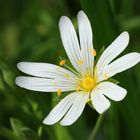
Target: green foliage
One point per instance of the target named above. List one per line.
(29, 32)
(19, 131)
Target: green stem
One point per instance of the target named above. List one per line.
(96, 127)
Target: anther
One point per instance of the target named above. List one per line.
(80, 62)
(62, 62)
(94, 52)
(59, 92)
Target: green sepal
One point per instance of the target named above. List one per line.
(113, 81)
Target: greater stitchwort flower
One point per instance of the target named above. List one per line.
(88, 82)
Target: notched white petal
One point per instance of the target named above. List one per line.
(59, 110)
(123, 63)
(69, 109)
(112, 91)
(46, 70)
(114, 49)
(99, 101)
(85, 35)
(76, 109)
(118, 45)
(43, 85)
(70, 42)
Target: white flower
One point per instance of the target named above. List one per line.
(87, 82)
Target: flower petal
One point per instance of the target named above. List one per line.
(60, 109)
(76, 109)
(85, 34)
(47, 71)
(44, 85)
(121, 64)
(112, 91)
(112, 52)
(99, 101)
(70, 42)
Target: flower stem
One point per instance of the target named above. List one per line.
(96, 127)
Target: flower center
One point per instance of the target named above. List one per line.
(88, 83)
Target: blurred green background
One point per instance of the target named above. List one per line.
(29, 32)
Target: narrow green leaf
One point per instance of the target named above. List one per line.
(7, 133)
(39, 131)
(29, 133)
(16, 126)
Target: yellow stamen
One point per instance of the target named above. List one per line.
(80, 62)
(62, 62)
(59, 92)
(94, 52)
(88, 83)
